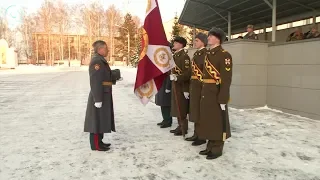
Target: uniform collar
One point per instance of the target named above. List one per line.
(216, 49)
(178, 51)
(101, 57)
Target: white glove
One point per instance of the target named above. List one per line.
(173, 77)
(167, 91)
(98, 104)
(223, 107)
(120, 79)
(186, 95)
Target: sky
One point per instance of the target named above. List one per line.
(168, 8)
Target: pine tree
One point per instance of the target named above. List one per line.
(176, 29)
(122, 48)
(136, 57)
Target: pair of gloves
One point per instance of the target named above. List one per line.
(99, 104)
(174, 77)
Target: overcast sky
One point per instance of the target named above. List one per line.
(168, 8)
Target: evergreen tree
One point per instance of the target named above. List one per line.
(136, 57)
(128, 25)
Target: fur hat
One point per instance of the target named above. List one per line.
(203, 37)
(180, 40)
(217, 32)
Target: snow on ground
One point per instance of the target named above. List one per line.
(41, 137)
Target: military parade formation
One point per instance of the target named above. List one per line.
(196, 90)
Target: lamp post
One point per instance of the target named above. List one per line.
(128, 42)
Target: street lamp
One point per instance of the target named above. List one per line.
(128, 42)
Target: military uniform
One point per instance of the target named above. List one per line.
(195, 92)
(179, 104)
(214, 121)
(251, 35)
(100, 120)
(163, 99)
(295, 37)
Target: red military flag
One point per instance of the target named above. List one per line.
(155, 57)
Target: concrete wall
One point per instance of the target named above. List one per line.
(282, 35)
(284, 76)
(294, 77)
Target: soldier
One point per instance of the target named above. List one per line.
(313, 33)
(99, 115)
(251, 34)
(217, 74)
(197, 62)
(180, 77)
(163, 99)
(296, 35)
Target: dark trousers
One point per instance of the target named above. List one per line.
(216, 147)
(95, 141)
(166, 114)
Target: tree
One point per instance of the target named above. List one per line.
(177, 29)
(46, 18)
(113, 17)
(136, 57)
(63, 23)
(27, 27)
(128, 27)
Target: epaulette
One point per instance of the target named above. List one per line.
(224, 51)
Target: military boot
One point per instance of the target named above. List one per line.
(174, 130)
(166, 125)
(204, 152)
(198, 142)
(96, 143)
(194, 137)
(179, 132)
(160, 123)
(211, 155)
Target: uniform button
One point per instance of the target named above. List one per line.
(202, 96)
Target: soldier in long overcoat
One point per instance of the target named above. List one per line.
(163, 99)
(197, 62)
(99, 114)
(180, 77)
(217, 74)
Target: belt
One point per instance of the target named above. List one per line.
(194, 77)
(106, 83)
(209, 81)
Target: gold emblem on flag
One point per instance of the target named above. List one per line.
(162, 57)
(145, 43)
(146, 90)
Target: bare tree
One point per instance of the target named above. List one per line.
(63, 22)
(114, 18)
(27, 28)
(46, 17)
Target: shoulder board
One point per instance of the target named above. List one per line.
(224, 51)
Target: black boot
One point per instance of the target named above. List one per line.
(96, 144)
(198, 142)
(179, 132)
(101, 143)
(194, 137)
(166, 125)
(210, 156)
(160, 123)
(174, 130)
(204, 152)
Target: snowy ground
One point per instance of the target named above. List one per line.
(41, 137)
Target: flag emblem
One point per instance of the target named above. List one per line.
(162, 57)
